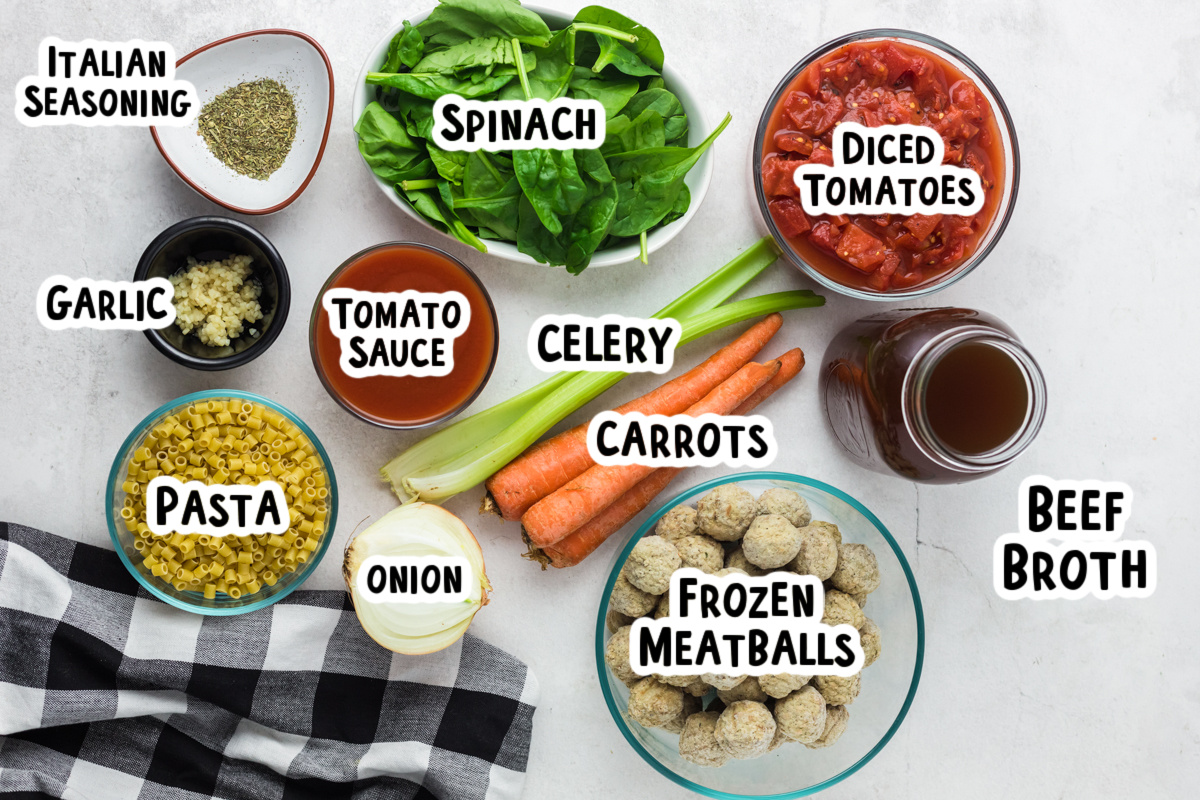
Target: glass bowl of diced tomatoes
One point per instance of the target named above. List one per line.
(885, 77)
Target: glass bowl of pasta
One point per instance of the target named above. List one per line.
(223, 437)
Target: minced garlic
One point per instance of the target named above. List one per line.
(216, 299)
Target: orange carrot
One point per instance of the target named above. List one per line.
(578, 545)
(548, 465)
(569, 507)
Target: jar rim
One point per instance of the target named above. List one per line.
(914, 411)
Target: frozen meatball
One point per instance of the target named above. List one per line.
(828, 527)
(630, 600)
(860, 598)
(726, 512)
(616, 620)
(836, 690)
(786, 504)
(868, 635)
(771, 541)
(818, 553)
(697, 688)
(836, 718)
(778, 686)
(651, 563)
(721, 573)
(722, 682)
(746, 690)
(779, 741)
(840, 608)
(698, 741)
(737, 560)
(682, 681)
(745, 729)
(801, 715)
(663, 609)
(701, 552)
(653, 703)
(857, 570)
(680, 521)
(616, 655)
(691, 705)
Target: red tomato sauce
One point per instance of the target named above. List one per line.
(881, 83)
(409, 401)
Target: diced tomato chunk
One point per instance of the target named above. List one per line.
(974, 162)
(860, 249)
(954, 151)
(825, 234)
(964, 95)
(799, 106)
(821, 155)
(922, 225)
(908, 279)
(790, 217)
(897, 62)
(830, 116)
(777, 177)
(794, 142)
(878, 281)
(891, 263)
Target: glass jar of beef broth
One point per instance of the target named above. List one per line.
(937, 395)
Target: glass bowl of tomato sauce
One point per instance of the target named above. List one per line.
(884, 77)
(403, 402)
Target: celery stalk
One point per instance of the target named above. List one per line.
(477, 465)
(457, 439)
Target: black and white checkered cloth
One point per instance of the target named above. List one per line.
(109, 694)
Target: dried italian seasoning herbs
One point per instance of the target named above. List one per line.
(250, 127)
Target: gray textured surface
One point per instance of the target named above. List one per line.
(1097, 272)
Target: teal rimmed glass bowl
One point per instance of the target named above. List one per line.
(888, 685)
(222, 605)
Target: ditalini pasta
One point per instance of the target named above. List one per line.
(228, 442)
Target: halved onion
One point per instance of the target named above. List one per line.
(416, 529)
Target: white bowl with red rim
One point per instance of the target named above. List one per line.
(293, 59)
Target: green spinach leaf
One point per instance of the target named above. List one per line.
(455, 21)
(475, 54)
(612, 94)
(388, 149)
(647, 48)
(490, 194)
(450, 164)
(623, 135)
(551, 76)
(551, 182)
(649, 182)
(405, 50)
(675, 121)
(432, 85)
(431, 206)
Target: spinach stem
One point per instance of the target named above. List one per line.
(417, 185)
(487, 162)
(644, 257)
(604, 29)
(516, 46)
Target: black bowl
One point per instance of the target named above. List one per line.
(212, 239)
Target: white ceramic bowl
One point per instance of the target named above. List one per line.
(697, 180)
(292, 58)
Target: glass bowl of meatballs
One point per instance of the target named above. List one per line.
(780, 735)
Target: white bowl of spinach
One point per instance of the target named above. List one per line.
(564, 208)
